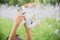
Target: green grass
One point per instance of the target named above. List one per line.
(41, 32)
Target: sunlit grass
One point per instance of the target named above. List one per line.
(44, 31)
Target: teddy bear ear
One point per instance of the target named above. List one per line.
(26, 5)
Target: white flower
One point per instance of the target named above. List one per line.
(56, 31)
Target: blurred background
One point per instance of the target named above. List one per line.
(49, 28)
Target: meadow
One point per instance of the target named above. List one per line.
(49, 29)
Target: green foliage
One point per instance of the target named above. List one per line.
(11, 2)
(21, 2)
(41, 32)
(51, 1)
(4, 1)
(14, 2)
